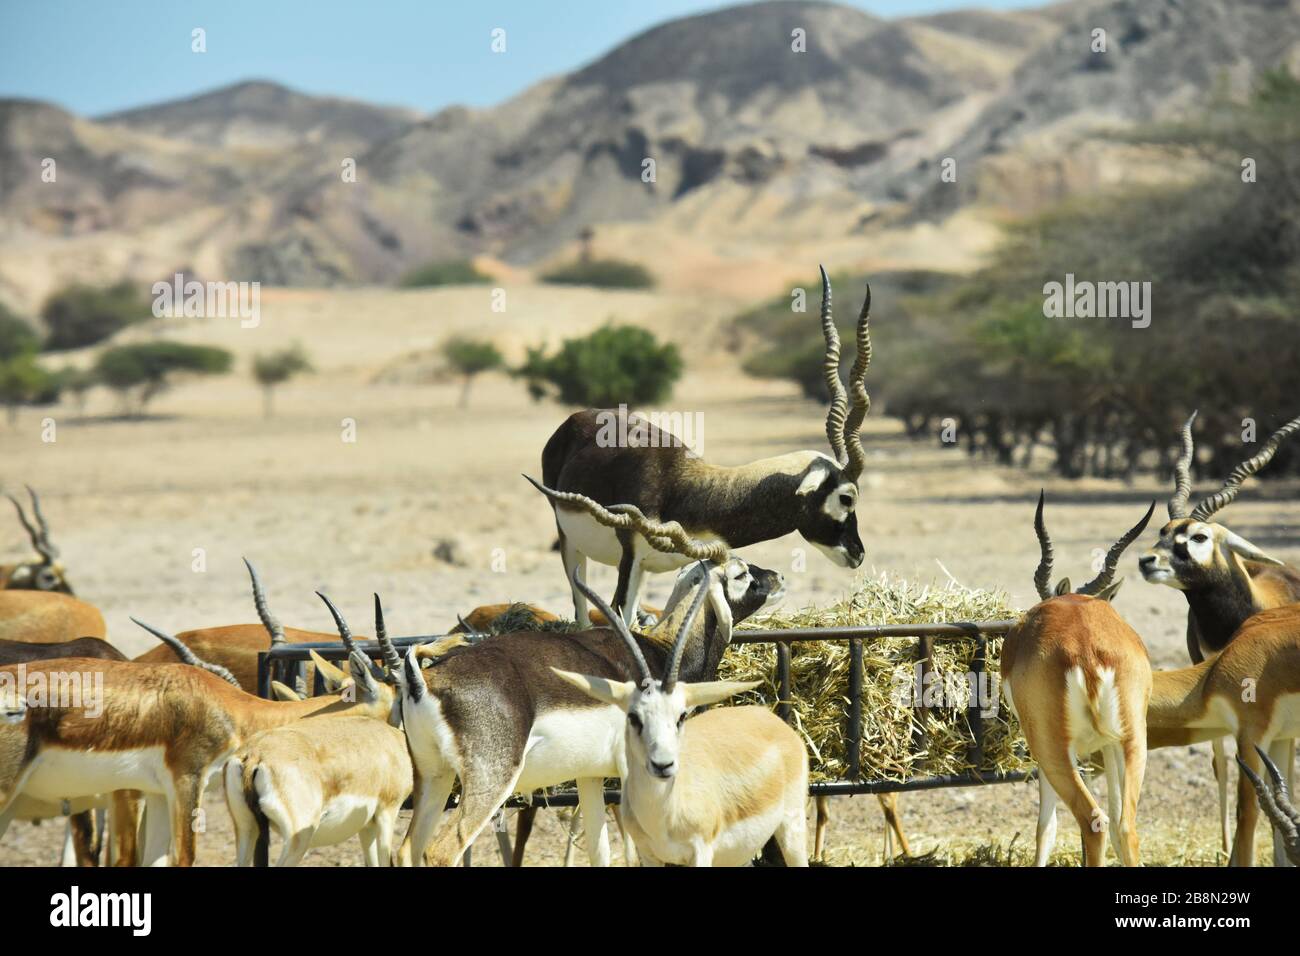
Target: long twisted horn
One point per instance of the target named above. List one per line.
(1232, 485)
(835, 415)
(1182, 473)
(1108, 567)
(187, 656)
(1276, 803)
(50, 551)
(683, 632)
(617, 623)
(273, 626)
(392, 660)
(345, 635)
(667, 536)
(1043, 576)
(41, 546)
(858, 393)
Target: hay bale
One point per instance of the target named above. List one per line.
(819, 680)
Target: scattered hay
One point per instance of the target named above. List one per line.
(819, 679)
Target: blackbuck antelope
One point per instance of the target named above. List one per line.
(1249, 691)
(1078, 679)
(621, 502)
(160, 729)
(1224, 577)
(496, 717)
(44, 572)
(236, 646)
(1275, 801)
(712, 790)
(323, 781)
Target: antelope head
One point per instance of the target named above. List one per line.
(43, 573)
(656, 710)
(828, 492)
(1103, 586)
(365, 682)
(1194, 552)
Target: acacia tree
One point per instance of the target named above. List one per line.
(147, 368)
(469, 357)
(275, 368)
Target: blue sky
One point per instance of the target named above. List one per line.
(96, 56)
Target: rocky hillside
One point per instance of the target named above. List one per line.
(759, 151)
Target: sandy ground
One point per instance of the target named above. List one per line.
(133, 502)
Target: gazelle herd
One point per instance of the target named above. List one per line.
(501, 712)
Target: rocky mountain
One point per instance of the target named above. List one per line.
(737, 135)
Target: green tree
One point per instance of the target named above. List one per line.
(275, 368)
(83, 315)
(77, 381)
(613, 365)
(147, 368)
(444, 272)
(603, 273)
(23, 382)
(16, 336)
(469, 357)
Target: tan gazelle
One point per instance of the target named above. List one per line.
(1077, 678)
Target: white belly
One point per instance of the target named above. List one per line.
(343, 818)
(565, 745)
(61, 773)
(600, 544)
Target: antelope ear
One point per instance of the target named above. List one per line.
(284, 692)
(1243, 548)
(331, 675)
(1063, 587)
(710, 692)
(363, 677)
(1109, 591)
(718, 601)
(618, 693)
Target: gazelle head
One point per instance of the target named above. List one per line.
(43, 573)
(1192, 551)
(829, 489)
(1103, 586)
(365, 682)
(656, 710)
(737, 588)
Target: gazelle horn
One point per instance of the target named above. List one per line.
(1182, 473)
(861, 400)
(839, 408)
(39, 538)
(392, 660)
(1275, 802)
(187, 656)
(616, 622)
(1232, 484)
(273, 626)
(1043, 576)
(667, 536)
(683, 633)
(1108, 567)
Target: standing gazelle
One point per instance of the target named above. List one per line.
(621, 488)
(1078, 679)
(709, 791)
(1224, 577)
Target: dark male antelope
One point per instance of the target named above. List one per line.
(623, 503)
(1078, 678)
(1224, 577)
(44, 572)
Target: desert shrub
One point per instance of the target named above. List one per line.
(275, 368)
(468, 357)
(444, 272)
(613, 365)
(147, 368)
(602, 273)
(82, 315)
